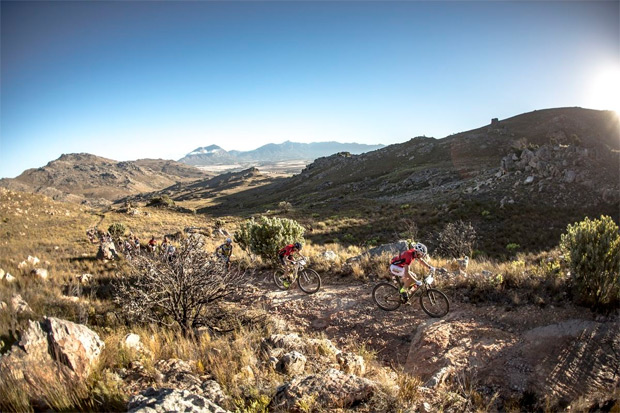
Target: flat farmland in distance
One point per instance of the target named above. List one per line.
(282, 168)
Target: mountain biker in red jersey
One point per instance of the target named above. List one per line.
(286, 254)
(400, 266)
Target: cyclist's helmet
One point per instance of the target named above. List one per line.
(420, 249)
(297, 246)
(228, 241)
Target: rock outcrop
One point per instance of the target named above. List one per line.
(60, 344)
(331, 389)
(568, 359)
(171, 400)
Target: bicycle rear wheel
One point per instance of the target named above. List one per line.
(309, 281)
(281, 279)
(386, 296)
(434, 303)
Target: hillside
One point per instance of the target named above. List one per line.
(97, 180)
(542, 169)
(513, 340)
(209, 190)
(287, 151)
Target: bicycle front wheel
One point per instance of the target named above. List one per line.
(281, 279)
(386, 296)
(309, 281)
(434, 303)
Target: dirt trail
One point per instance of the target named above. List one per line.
(344, 311)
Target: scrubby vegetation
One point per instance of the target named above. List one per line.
(231, 350)
(265, 237)
(117, 229)
(592, 249)
(178, 288)
(161, 201)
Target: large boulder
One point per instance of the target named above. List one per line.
(394, 248)
(331, 389)
(570, 359)
(566, 359)
(50, 352)
(75, 345)
(171, 400)
(72, 347)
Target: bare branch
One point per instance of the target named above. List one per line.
(177, 288)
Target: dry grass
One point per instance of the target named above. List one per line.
(235, 360)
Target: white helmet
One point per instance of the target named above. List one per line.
(228, 241)
(420, 249)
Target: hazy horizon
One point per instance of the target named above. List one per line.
(133, 80)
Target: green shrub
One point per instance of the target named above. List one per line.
(117, 229)
(592, 250)
(513, 247)
(161, 201)
(265, 237)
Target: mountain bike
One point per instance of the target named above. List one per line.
(308, 280)
(434, 302)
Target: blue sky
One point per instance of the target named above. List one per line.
(156, 79)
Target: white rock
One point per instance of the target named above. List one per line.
(529, 180)
(20, 305)
(329, 255)
(2, 273)
(9, 278)
(42, 273)
(132, 341)
(33, 260)
(84, 278)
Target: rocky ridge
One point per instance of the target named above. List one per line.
(98, 181)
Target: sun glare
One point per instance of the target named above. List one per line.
(604, 91)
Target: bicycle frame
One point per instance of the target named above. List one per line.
(298, 265)
(412, 292)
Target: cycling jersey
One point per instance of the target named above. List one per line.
(226, 250)
(287, 251)
(405, 258)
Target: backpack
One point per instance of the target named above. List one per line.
(397, 260)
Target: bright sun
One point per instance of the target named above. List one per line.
(604, 90)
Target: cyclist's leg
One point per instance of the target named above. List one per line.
(407, 280)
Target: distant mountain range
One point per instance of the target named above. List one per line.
(287, 151)
(510, 179)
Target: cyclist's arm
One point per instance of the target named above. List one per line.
(427, 265)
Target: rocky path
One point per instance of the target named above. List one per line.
(513, 349)
(345, 313)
